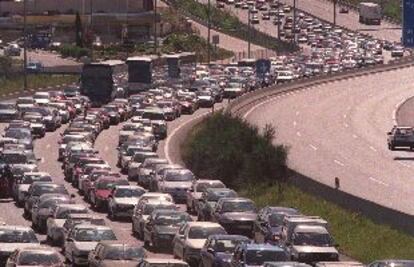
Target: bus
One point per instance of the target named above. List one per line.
(100, 80)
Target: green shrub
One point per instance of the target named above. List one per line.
(73, 51)
(230, 149)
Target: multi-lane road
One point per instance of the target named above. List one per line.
(339, 130)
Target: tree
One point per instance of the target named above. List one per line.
(79, 30)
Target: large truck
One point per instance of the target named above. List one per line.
(100, 80)
(370, 13)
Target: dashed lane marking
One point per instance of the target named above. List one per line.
(378, 181)
(404, 164)
(355, 136)
(373, 148)
(339, 162)
(298, 134)
(294, 123)
(313, 147)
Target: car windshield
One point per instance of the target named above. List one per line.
(312, 239)
(166, 264)
(276, 219)
(17, 236)
(111, 109)
(203, 186)
(124, 253)
(171, 219)
(227, 246)
(258, 257)
(109, 184)
(205, 232)
(43, 111)
(179, 176)
(129, 192)
(43, 189)
(151, 207)
(52, 202)
(215, 196)
(18, 134)
(237, 206)
(94, 235)
(32, 258)
(7, 106)
(64, 213)
(27, 179)
(153, 116)
(14, 158)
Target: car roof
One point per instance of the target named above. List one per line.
(229, 237)
(164, 260)
(15, 227)
(203, 224)
(128, 187)
(94, 226)
(266, 246)
(339, 264)
(311, 228)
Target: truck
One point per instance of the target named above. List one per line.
(99, 80)
(369, 13)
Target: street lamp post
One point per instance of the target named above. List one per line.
(155, 27)
(334, 12)
(294, 21)
(278, 20)
(208, 32)
(24, 45)
(249, 32)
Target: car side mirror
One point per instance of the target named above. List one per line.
(210, 250)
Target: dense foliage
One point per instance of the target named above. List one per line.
(67, 50)
(228, 148)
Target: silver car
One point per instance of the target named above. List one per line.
(123, 199)
(82, 239)
(14, 237)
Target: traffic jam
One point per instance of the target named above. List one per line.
(173, 217)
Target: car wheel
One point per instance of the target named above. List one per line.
(146, 244)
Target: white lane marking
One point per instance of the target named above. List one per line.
(313, 147)
(355, 136)
(297, 113)
(373, 148)
(106, 148)
(404, 164)
(259, 105)
(298, 134)
(346, 125)
(339, 163)
(48, 146)
(294, 123)
(174, 132)
(344, 116)
(378, 181)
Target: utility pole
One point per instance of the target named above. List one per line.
(126, 30)
(294, 21)
(155, 27)
(248, 30)
(24, 45)
(278, 20)
(334, 12)
(208, 32)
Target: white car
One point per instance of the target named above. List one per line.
(14, 237)
(123, 199)
(196, 191)
(397, 51)
(191, 237)
(82, 239)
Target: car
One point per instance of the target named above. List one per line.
(208, 201)
(122, 200)
(14, 237)
(142, 212)
(255, 19)
(391, 262)
(343, 10)
(12, 49)
(112, 253)
(339, 264)
(82, 239)
(142, 174)
(218, 249)
(21, 185)
(43, 209)
(101, 191)
(190, 239)
(194, 194)
(310, 243)
(35, 256)
(285, 264)
(161, 227)
(74, 219)
(9, 111)
(55, 222)
(158, 173)
(268, 225)
(34, 67)
(162, 262)
(176, 182)
(265, 16)
(236, 215)
(37, 189)
(250, 254)
(397, 51)
(399, 137)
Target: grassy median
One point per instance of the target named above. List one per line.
(228, 148)
(34, 81)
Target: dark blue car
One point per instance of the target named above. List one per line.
(218, 249)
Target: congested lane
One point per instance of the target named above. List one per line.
(339, 130)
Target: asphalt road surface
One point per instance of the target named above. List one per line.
(324, 9)
(339, 130)
(47, 58)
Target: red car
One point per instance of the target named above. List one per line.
(102, 189)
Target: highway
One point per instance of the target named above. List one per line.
(339, 130)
